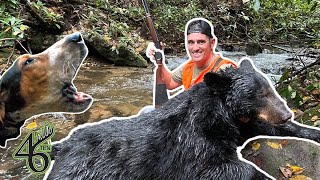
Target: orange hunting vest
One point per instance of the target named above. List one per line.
(187, 71)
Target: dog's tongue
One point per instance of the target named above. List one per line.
(80, 97)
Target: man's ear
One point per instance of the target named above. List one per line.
(218, 82)
(213, 42)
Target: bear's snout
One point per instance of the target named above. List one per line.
(283, 111)
(286, 117)
(275, 114)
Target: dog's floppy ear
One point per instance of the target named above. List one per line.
(246, 65)
(218, 82)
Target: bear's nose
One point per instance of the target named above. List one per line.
(286, 117)
(75, 37)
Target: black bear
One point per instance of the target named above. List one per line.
(193, 136)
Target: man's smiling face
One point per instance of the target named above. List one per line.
(200, 47)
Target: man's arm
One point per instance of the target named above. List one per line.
(167, 78)
(166, 74)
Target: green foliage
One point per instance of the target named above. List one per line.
(115, 24)
(170, 17)
(233, 20)
(121, 32)
(285, 19)
(49, 16)
(230, 24)
(11, 24)
(303, 92)
(302, 89)
(290, 94)
(290, 91)
(10, 3)
(12, 14)
(135, 13)
(256, 20)
(12, 28)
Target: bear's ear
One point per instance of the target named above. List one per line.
(217, 81)
(246, 65)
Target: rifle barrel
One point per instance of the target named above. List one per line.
(150, 26)
(160, 95)
(145, 5)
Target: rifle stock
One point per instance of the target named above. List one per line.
(160, 95)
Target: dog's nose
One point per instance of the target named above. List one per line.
(75, 37)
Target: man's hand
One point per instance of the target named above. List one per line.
(165, 72)
(151, 51)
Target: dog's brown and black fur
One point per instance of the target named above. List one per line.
(42, 83)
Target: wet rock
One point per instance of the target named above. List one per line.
(123, 110)
(99, 112)
(292, 59)
(123, 56)
(253, 48)
(314, 51)
(295, 152)
(82, 118)
(227, 47)
(41, 41)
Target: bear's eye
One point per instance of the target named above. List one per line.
(28, 61)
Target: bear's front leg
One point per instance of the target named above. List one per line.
(289, 128)
(295, 130)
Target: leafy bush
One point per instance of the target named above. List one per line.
(303, 92)
(285, 20)
(49, 16)
(11, 24)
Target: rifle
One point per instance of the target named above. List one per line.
(160, 95)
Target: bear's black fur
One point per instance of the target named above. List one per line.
(193, 136)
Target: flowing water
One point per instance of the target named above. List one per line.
(118, 91)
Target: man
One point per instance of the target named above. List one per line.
(200, 43)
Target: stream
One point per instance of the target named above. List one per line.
(120, 91)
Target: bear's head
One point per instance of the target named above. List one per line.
(249, 94)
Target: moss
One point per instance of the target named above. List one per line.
(122, 56)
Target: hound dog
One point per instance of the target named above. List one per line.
(42, 83)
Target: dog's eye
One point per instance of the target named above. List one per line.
(28, 61)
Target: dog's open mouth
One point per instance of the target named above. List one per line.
(70, 92)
